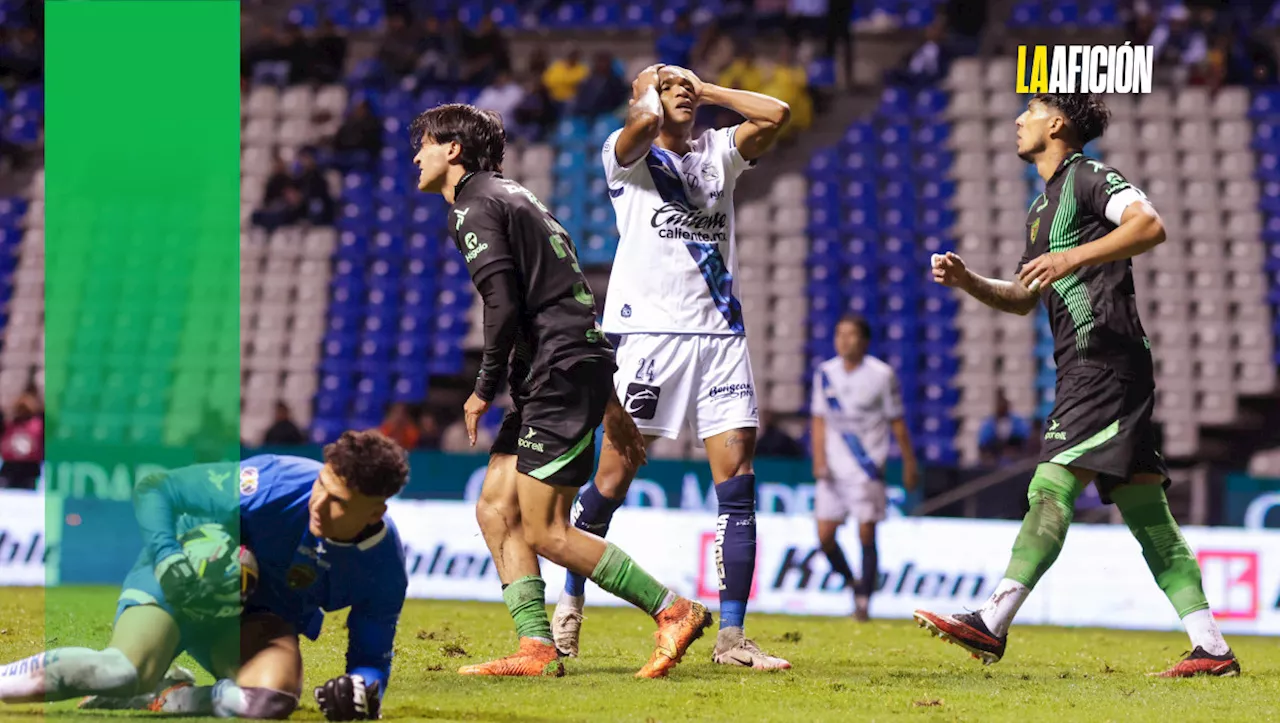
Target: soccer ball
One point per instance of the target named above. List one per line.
(212, 553)
(248, 573)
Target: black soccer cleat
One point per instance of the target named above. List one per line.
(966, 630)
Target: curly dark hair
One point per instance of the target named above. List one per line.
(479, 132)
(369, 462)
(1087, 113)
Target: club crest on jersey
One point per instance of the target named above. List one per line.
(709, 172)
(248, 480)
(1035, 229)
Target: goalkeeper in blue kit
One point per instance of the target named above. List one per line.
(322, 543)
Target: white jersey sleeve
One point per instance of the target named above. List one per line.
(727, 144)
(818, 400)
(615, 172)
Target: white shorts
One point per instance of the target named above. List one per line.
(838, 500)
(670, 381)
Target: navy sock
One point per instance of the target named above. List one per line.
(870, 570)
(591, 513)
(736, 546)
(835, 556)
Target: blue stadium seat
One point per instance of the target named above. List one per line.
(326, 429)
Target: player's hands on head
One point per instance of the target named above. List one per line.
(1039, 273)
(472, 411)
(646, 78)
(675, 73)
(623, 434)
(949, 270)
(347, 697)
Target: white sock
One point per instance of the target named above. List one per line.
(1204, 632)
(576, 602)
(999, 610)
(67, 673)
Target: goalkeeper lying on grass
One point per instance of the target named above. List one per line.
(322, 543)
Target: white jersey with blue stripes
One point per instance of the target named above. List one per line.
(857, 406)
(674, 272)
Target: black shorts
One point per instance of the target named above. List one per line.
(552, 428)
(1101, 421)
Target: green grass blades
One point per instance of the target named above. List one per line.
(884, 670)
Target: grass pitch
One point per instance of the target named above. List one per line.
(884, 670)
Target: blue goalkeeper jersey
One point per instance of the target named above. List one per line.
(301, 577)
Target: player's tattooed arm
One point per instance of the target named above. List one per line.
(1008, 296)
(765, 115)
(644, 118)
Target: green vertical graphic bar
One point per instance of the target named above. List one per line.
(142, 139)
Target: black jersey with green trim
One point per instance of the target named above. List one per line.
(498, 224)
(1093, 312)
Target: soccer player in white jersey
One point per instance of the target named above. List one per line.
(856, 401)
(681, 344)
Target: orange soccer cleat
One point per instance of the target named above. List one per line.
(534, 658)
(1200, 662)
(678, 626)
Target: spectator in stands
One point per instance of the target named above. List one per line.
(1004, 435)
(439, 50)
(317, 201)
(563, 76)
(965, 20)
(675, 47)
(429, 432)
(484, 54)
(773, 441)
(743, 73)
(261, 58)
(536, 113)
(504, 95)
(360, 132)
(400, 426)
(298, 53)
(284, 431)
(927, 64)
(770, 16)
(282, 202)
(1178, 45)
(1246, 59)
(788, 81)
(22, 444)
(399, 46)
(21, 56)
(329, 53)
(603, 91)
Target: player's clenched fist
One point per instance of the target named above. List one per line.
(346, 697)
(949, 270)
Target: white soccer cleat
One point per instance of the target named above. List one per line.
(177, 677)
(566, 623)
(734, 648)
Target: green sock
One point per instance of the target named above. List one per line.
(1053, 496)
(618, 575)
(526, 598)
(1146, 511)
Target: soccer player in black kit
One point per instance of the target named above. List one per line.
(1081, 234)
(540, 326)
